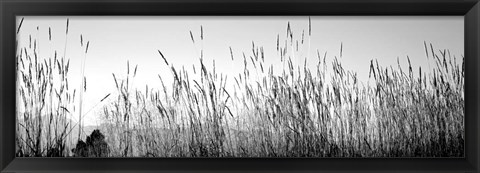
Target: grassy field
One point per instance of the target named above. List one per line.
(303, 112)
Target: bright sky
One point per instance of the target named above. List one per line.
(114, 40)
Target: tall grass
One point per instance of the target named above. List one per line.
(46, 103)
(299, 111)
(43, 105)
(321, 112)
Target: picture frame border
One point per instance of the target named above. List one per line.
(9, 9)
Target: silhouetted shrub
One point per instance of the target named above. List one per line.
(95, 146)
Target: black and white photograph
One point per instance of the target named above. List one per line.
(240, 86)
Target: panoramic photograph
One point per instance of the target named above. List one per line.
(240, 86)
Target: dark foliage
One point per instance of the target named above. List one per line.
(95, 146)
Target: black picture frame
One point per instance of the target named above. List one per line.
(470, 9)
